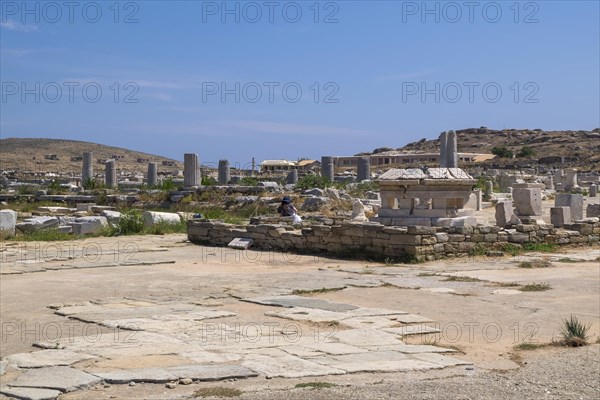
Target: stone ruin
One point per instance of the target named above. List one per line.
(431, 197)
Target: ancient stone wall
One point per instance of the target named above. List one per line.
(415, 242)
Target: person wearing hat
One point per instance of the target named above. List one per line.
(287, 209)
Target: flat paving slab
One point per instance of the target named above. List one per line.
(163, 375)
(65, 379)
(304, 302)
(46, 358)
(30, 393)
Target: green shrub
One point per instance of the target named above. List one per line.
(313, 181)
(209, 181)
(130, 223)
(249, 181)
(526, 152)
(502, 152)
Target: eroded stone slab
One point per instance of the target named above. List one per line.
(380, 361)
(30, 393)
(287, 366)
(412, 330)
(46, 358)
(299, 301)
(364, 337)
(162, 375)
(335, 348)
(65, 379)
(440, 359)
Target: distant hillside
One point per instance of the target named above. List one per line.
(28, 154)
(579, 148)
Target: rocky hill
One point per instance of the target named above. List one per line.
(28, 154)
(550, 148)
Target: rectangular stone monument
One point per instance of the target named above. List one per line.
(528, 198)
(574, 201)
(560, 216)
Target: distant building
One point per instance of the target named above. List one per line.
(77, 158)
(277, 165)
(168, 163)
(53, 157)
(117, 157)
(397, 159)
(307, 165)
(143, 160)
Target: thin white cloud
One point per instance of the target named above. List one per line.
(12, 25)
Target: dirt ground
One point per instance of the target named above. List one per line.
(476, 304)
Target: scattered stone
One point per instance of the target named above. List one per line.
(153, 217)
(574, 201)
(241, 243)
(560, 216)
(314, 192)
(88, 225)
(168, 374)
(113, 217)
(8, 221)
(314, 203)
(37, 223)
(592, 210)
(186, 381)
(171, 385)
(358, 212)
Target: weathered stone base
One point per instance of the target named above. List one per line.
(419, 243)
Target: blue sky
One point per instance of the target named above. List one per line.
(371, 73)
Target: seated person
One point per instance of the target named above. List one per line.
(286, 209)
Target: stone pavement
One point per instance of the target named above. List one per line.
(171, 316)
(212, 345)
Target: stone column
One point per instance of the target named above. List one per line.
(191, 170)
(327, 167)
(451, 150)
(558, 178)
(443, 149)
(550, 183)
(88, 167)
(224, 172)
(292, 177)
(571, 179)
(489, 189)
(110, 174)
(593, 190)
(152, 174)
(364, 169)
(478, 199)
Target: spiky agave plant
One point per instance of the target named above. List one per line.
(574, 332)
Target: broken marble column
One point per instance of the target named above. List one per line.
(152, 174)
(505, 215)
(451, 150)
(224, 172)
(528, 198)
(443, 148)
(110, 174)
(327, 167)
(292, 177)
(478, 199)
(593, 190)
(87, 172)
(191, 170)
(571, 179)
(560, 216)
(364, 169)
(574, 201)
